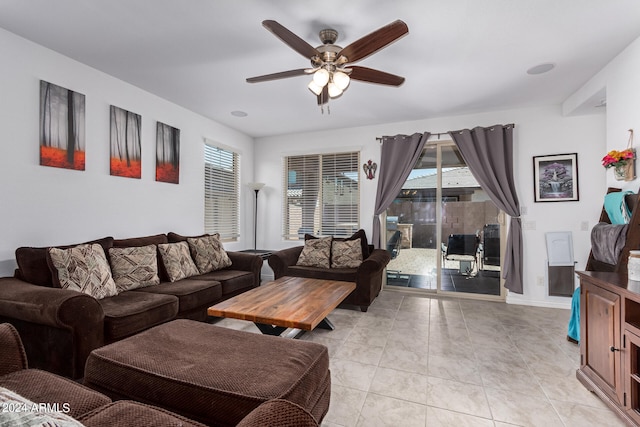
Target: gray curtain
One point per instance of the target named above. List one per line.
(399, 154)
(489, 154)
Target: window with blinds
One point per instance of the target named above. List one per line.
(221, 192)
(322, 195)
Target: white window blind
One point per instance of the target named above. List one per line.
(221, 192)
(322, 195)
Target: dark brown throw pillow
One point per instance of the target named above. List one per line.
(34, 267)
(175, 237)
(156, 239)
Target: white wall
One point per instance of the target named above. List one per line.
(45, 206)
(51, 206)
(539, 131)
(620, 83)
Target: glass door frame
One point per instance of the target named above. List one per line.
(438, 291)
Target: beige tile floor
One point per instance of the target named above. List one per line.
(419, 361)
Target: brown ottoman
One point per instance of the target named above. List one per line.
(211, 374)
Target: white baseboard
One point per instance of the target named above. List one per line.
(518, 300)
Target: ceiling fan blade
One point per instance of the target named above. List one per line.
(294, 42)
(280, 75)
(323, 98)
(375, 41)
(370, 75)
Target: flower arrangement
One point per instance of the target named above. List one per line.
(616, 158)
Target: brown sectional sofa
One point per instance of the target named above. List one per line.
(73, 401)
(367, 276)
(60, 327)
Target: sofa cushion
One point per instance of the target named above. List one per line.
(34, 268)
(133, 311)
(191, 293)
(134, 267)
(344, 274)
(346, 253)
(175, 237)
(29, 412)
(177, 260)
(360, 234)
(127, 413)
(232, 281)
(316, 253)
(40, 386)
(208, 253)
(156, 239)
(83, 268)
(226, 375)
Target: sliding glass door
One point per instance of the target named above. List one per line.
(443, 231)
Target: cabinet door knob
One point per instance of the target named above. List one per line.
(612, 348)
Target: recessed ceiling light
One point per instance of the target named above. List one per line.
(541, 68)
(239, 113)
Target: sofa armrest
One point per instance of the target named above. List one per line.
(12, 357)
(46, 306)
(78, 315)
(377, 260)
(246, 262)
(279, 261)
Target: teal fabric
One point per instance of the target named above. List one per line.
(574, 321)
(617, 208)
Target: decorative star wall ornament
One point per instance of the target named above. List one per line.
(370, 169)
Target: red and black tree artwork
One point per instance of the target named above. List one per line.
(126, 148)
(167, 153)
(62, 127)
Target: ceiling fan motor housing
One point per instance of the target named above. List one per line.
(328, 55)
(328, 36)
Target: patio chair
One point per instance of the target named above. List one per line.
(463, 248)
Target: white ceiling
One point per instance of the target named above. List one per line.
(460, 56)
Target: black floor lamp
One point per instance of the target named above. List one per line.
(255, 186)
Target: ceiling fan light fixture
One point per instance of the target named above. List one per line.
(334, 90)
(321, 77)
(313, 87)
(341, 79)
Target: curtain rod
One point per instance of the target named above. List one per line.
(379, 138)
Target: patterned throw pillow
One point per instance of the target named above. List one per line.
(19, 411)
(83, 268)
(346, 254)
(208, 253)
(177, 260)
(316, 253)
(134, 267)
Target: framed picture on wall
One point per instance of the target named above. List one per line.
(167, 153)
(62, 121)
(555, 178)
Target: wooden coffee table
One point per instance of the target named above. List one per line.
(288, 302)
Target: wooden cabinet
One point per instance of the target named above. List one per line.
(633, 387)
(610, 341)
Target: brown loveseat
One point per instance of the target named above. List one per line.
(367, 275)
(59, 400)
(60, 327)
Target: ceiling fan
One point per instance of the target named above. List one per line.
(331, 64)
